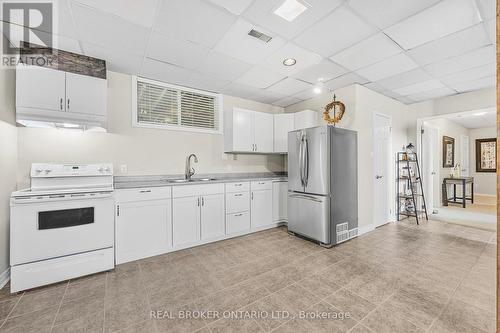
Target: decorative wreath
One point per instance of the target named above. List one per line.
(336, 116)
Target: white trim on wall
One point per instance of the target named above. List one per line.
(365, 229)
(4, 278)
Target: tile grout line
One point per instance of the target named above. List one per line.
(104, 303)
(11, 310)
(59, 307)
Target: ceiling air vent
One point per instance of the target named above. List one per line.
(259, 35)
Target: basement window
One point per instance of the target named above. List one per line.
(167, 106)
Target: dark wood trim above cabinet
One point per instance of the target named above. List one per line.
(35, 55)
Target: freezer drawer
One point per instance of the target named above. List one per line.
(308, 215)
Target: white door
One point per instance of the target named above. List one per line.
(143, 229)
(86, 94)
(430, 167)
(306, 119)
(381, 162)
(212, 216)
(283, 123)
(243, 133)
(186, 221)
(40, 88)
(263, 132)
(280, 198)
(261, 208)
(464, 155)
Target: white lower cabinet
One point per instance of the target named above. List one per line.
(143, 225)
(212, 216)
(261, 204)
(186, 220)
(280, 197)
(237, 222)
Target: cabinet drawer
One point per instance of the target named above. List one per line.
(238, 187)
(237, 202)
(197, 190)
(145, 193)
(262, 185)
(237, 222)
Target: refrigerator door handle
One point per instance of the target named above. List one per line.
(306, 161)
(303, 196)
(301, 164)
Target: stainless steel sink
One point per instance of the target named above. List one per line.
(192, 180)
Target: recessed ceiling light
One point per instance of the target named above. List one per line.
(318, 88)
(290, 10)
(289, 62)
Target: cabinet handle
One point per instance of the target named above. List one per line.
(198, 202)
(145, 191)
(252, 195)
(238, 214)
(238, 184)
(61, 103)
(261, 183)
(68, 103)
(118, 210)
(238, 195)
(202, 201)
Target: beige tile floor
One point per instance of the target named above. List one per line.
(436, 277)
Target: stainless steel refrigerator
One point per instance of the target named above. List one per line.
(323, 184)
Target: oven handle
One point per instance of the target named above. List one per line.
(62, 197)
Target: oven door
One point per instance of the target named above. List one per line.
(55, 226)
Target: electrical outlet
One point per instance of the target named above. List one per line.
(123, 168)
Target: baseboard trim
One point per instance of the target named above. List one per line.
(4, 278)
(485, 195)
(365, 229)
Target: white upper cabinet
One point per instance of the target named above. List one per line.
(248, 131)
(40, 88)
(283, 123)
(306, 119)
(86, 94)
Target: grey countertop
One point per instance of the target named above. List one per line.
(127, 182)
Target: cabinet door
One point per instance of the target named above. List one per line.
(306, 119)
(143, 229)
(263, 124)
(243, 130)
(280, 197)
(40, 88)
(86, 94)
(237, 222)
(186, 220)
(283, 123)
(261, 210)
(212, 216)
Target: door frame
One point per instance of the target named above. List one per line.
(390, 187)
(436, 192)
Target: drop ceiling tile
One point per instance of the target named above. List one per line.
(485, 82)
(193, 20)
(239, 90)
(304, 59)
(405, 100)
(238, 44)
(307, 94)
(421, 87)
(466, 61)
(234, 6)
(384, 13)
(434, 22)
(392, 94)
(432, 94)
(491, 30)
(287, 101)
(472, 74)
(116, 60)
(375, 87)
(177, 52)
(138, 12)
(324, 37)
(487, 9)
(266, 96)
(452, 45)
(289, 86)
(108, 30)
(391, 66)
(259, 78)
(323, 71)
(369, 51)
(65, 25)
(345, 80)
(262, 13)
(405, 79)
(206, 82)
(223, 66)
(164, 72)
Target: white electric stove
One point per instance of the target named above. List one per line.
(62, 227)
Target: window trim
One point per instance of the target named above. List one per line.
(137, 124)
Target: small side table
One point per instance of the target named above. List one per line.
(463, 181)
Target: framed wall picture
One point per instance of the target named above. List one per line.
(448, 152)
(486, 155)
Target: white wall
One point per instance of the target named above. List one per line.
(484, 182)
(8, 160)
(144, 151)
(361, 103)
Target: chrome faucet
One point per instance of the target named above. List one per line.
(190, 171)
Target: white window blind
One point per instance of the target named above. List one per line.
(164, 105)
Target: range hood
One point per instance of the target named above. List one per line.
(60, 119)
